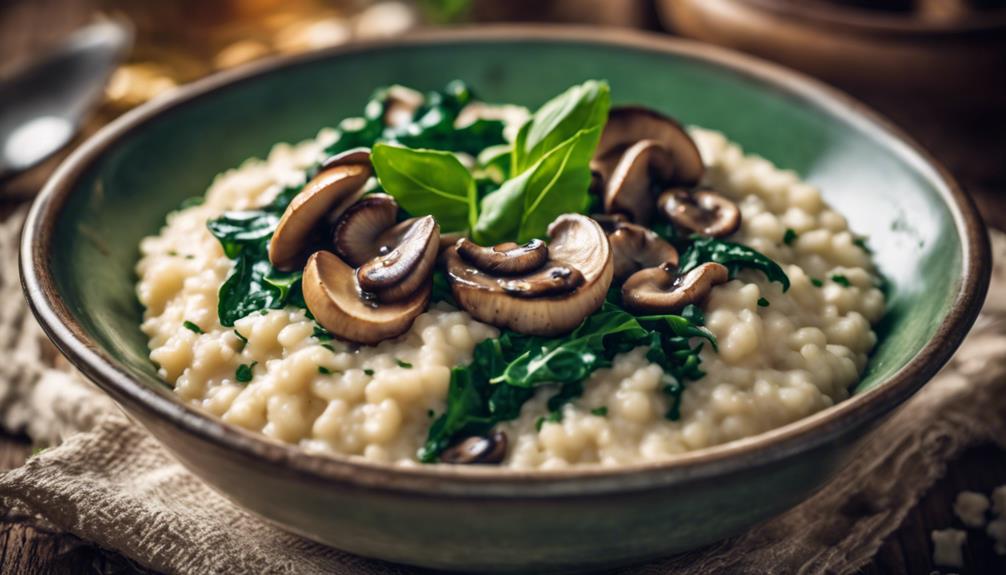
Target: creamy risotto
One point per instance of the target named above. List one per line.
(780, 355)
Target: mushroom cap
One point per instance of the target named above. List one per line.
(333, 297)
(351, 156)
(578, 242)
(630, 124)
(640, 169)
(505, 259)
(327, 194)
(661, 290)
(701, 211)
(356, 233)
(398, 273)
(634, 247)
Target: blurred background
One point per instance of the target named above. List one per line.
(936, 67)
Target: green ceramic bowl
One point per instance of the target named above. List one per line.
(80, 245)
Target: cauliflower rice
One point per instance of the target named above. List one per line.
(776, 363)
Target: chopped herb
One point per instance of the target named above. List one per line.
(241, 337)
(192, 327)
(553, 417)
(816, 282)
(600, 411)
(324, 370)
(327, 346)
(861, 243)
(37, 450)
(190, 257)
(321, 334)
(192, 202)
(403, 364)
(244, 372)
(430, 413)
(762, 302)
(172, 253)
(841, 280)
(368, 372)
(789, 237)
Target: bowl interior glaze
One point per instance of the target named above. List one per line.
(887, 192)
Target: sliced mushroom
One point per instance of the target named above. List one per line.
(640, 170)
(634, 247)
(477, 450)
(701, 211)
(334, 299)
(398, 273)
(326, 195)
(351, 156)
(356, 233)
(661, 290)
(548, 302)
(505, 259)
(630, 124)
(401, 106)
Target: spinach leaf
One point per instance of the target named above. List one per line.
(733, 256)
(523, 207)
(582, 107)
(235, 230)
(427, 182)
(505, 371)
(246, 290)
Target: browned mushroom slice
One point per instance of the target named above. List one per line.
(477, 450)
(326, 195)
(631, 185)
(401, 106)
(353, 156)
(398, 273)
(634, 247)
(505, 259)
(333, 297)
(661, 290)
(356, 233)
(578, 243)
(702, 212)
(630, 124)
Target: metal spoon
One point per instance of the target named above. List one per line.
(43, 104)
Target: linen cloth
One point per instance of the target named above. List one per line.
(106, 480)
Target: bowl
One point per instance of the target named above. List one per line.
(80, 245)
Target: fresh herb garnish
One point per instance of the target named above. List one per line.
(192, 202)
(789, 237)
(321, 334)
(403, 364)
(192, 327)
(816, 282)
(694, 314)
(841, 280)
(327, 346)
(762, 302)
(244, 372)
(599, 411)
(368, 372)
(734, 256)
(861, 243)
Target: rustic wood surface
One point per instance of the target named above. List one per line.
(26, 25)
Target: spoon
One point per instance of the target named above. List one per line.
(43, 104)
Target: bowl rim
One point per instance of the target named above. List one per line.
(801, 436)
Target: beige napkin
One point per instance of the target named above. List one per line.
(109, 482)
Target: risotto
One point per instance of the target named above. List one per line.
(755, 340)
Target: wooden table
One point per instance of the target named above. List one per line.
(27, 24)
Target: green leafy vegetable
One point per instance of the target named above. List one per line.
(244, 373)
(599, 411)
(579, 108)
(789, 237)
(324, 370)
(368, 372)
(240, 337)
(841, 280)
(762, 302)
(734, 256)
(523, 207)
(861, 243)
(816, 282)
(428, 182)
(192, 327)
(403, 364)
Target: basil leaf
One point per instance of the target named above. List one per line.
(734, 256)
(582, 107)
(427, 182)
(523, 207)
